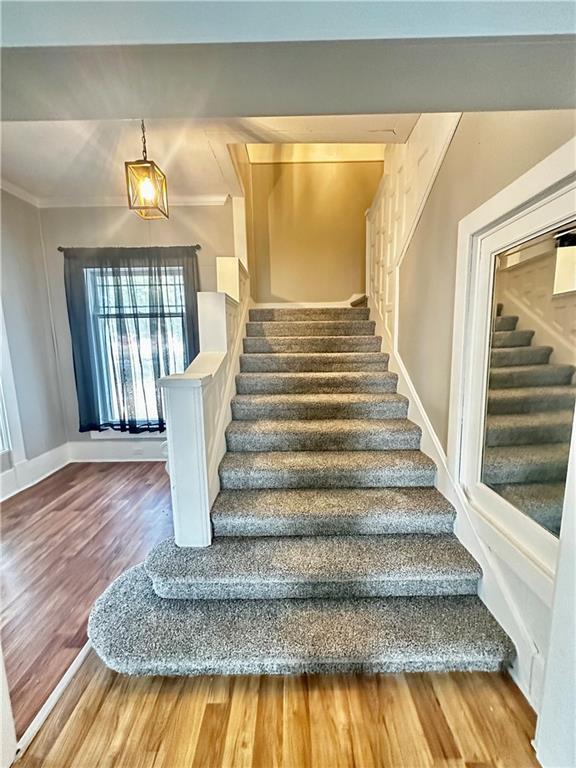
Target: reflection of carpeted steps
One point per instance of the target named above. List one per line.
(529, 428)
(529, 423)
(333, 550)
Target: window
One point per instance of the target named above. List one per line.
(137, 335)
(133, 320)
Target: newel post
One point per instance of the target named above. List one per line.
(188, 431)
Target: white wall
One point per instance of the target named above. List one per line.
(211, 226)
(25, 303)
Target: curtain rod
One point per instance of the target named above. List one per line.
(62, 248)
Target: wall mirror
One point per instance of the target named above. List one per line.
(530, 393)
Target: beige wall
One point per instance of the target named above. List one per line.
(309, 229)
(488, 151)
(28, 328)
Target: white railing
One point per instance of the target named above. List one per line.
(197, 404)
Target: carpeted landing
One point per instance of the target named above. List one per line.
(529, 423)
(333, 550)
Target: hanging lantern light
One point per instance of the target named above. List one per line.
(146, 186)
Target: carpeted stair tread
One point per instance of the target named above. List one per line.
(312, 328)
(322, 435)
(512, 338)
(267, 568)
(530, 376)
(525, 463)
(326, 511)
(543, 502)
(308, 313)
(320, 406)
(326, 469)
(511, 356)
(322, 382)
(529, 428)
(529, 399)
(303, 361)
(505, 323)
(311, 344)
(136, 632)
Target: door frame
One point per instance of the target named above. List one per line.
(536, 202)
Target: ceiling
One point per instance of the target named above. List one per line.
(81, 163)
(91, 23)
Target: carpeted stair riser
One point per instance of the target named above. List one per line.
(306, 328)
(313, 567)
(511, 356)
(543, 502)
(511, 338)
(525, 464)
(308, 314)
(138, 633)
(344, 406)
(323, 435)
(320, 383)
(531, 376)
(505, 323)
(312, 344)
(296, 362)
(332, 512)
(529, 429)
(531, 399)
(327, 469)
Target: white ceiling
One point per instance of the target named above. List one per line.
(71, 163)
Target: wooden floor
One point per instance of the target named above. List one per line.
(463, 720)
(63, 541)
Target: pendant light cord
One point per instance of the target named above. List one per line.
(144, 152)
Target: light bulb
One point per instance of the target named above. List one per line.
(147, 191)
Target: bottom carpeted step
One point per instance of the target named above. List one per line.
(135, 632)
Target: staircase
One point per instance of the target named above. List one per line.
(529, 423)
(333, 550)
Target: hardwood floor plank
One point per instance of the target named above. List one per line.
(63, 541)
(269, 730)
(296, 736)
(110, 721)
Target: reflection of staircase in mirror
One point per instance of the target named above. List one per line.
(529, 422)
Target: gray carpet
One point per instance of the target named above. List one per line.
(529, 423)
(333, 550)
(138, 633)
(323, 435)
(316, 566)
(328, 511)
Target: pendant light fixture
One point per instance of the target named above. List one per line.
(146, 186)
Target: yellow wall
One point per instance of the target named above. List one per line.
(309, 229)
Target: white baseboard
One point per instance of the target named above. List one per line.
(117, 450)
(307, 304)
(52, 700)
(29, 472)
(26, 473)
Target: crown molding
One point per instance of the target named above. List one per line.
(12, 189)
(174, 201)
